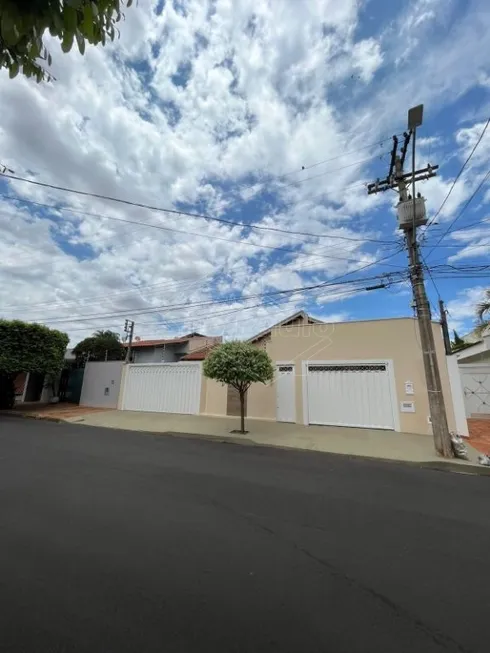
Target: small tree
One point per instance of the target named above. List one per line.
(23, 24)
(103, 345)
(239, 364)
(27, 347)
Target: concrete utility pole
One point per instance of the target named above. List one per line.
(445, 328)
(129, 330)
(411, 214)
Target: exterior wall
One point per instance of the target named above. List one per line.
(101, 384)
(198, 342)
(155, 355)
(396, 340)
(457, 394)
(213, 397)
(262, 401)
(171, 353)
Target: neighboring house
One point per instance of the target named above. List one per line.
(33, 387)
(366, 374)
(169, 350)
(474, 369)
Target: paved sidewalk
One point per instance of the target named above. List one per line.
(359, 442)
(480, 434)
(60, 411)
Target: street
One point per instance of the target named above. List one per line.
(116, 541)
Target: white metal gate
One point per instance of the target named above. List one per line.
(350, 394)
(163, 388)
(286, 405)
(475, 380)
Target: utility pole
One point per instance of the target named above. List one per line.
(411, 214)
(445, 328)
(129, 330)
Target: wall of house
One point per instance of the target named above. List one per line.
(155, 355)
(397, 340)
(213, 397)
(261, 401)
(198, 342)
(101, 384)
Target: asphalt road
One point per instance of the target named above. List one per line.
(114, 541)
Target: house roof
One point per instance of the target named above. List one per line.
(201, 353)
(164, 341)
(156, 343)
(285, 322)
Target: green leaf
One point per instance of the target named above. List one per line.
(88, 22)
(8, 30)
(13, 69)
(95, 9)
(81, 42)
(67, 42)
(70, 19)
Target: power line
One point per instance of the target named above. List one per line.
(459, 175)
(322, 174)
(473, 195)
(157, 208)
(319, 163)
(430, 276)
(228, 240)
(271, 302)
(194, 215)
(185, 306)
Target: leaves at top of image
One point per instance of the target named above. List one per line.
(24, 22)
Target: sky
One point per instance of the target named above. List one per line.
(275, 113)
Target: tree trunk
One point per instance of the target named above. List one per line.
(242, 411)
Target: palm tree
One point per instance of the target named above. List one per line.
(106, 334)
(483, 312)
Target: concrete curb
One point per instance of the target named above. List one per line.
(434, 465)
(47, 418)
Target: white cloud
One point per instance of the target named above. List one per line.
(206, 107)
(461, 310)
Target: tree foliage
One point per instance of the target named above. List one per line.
(23, 23)
(239, 364)
(483, 312)
(101, 346)
(28, 347)
(458, 343)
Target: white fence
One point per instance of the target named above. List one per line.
(101, 384)
(163, 388)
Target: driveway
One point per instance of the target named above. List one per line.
(119, 542)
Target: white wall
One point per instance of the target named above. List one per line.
(457, 395)
(101, 384)
(475, 380)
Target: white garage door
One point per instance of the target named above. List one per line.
(350, 395)
(163, 388)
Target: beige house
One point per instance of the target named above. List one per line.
(367, 374)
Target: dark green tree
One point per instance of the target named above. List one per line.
(23, 23)
(458, 343)
(28, 347)
(101, 346)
